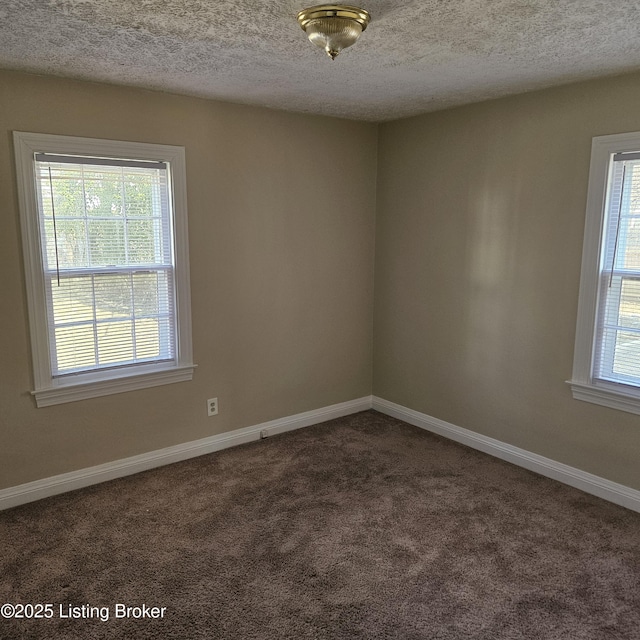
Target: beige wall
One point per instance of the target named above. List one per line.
(281, 229)
(479, 240)
(480, 216)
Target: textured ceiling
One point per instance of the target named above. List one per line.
(415, 56)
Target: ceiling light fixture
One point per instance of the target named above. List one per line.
(333, 27)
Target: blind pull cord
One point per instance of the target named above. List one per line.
(615, 246)
(55, 232)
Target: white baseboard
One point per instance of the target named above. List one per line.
(587, 482)
(21, 494)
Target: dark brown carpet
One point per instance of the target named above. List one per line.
(363, 527)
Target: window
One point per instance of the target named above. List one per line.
(104, 232)
(607, 353)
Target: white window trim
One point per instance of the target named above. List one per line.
(583, 386)
(49, 391)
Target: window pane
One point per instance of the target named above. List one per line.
(106, 243)
(629, 313)
(148, 339)
(145, 242)
(72, 300)
(628, 256)
(138, 190)
(626, 360)
(68, 191)
(115, 342)
(113, 296)
(75, 348)
(103, 191)
(71, 243)
(147, 287)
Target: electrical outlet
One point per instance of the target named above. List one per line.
(212, 406)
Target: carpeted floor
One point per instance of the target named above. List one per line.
(359, 528)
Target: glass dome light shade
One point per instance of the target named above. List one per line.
(333, 27)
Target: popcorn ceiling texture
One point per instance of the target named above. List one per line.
(415, 56)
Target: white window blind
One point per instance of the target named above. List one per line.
(617, 348)
(107, 253)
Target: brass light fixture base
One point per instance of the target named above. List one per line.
(333, 27)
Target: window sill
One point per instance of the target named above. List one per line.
(607, 396)
(71, 392)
